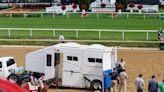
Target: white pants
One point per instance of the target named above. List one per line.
(122, 84)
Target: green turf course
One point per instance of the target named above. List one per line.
(135, 22)
(104, 21)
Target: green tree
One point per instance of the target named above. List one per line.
(87, 2)
(123, 2)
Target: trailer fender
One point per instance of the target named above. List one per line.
(96, 85)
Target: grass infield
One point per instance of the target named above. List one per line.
(104, 21)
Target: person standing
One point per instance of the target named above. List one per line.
(114, 78)
(61, 38)
(161, 86)
(122, 63)
(153, 85)
(122, 80)
(139, 82)
(40, 81)
(33, 79)
(160, 34)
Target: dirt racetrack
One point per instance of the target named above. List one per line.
(147, 62)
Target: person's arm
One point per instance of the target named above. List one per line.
(148, 86)
(143, 83)
(126, 76)
(157, 86)
(106, 74)
(32, 79)
(135, 82)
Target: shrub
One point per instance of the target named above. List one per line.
(131, 5)
(103, 5)
(17, 15)
(140, 6)
(86, 2)
(120, 6)
(33, 15)
(63, 7)
(83, 6)
(74, 6)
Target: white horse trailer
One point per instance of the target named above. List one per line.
(74, 64)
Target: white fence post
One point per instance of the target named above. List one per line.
(159, 15)
(99, 34)
(97, 16)
(112, 15)
(11, 15)
(41, 15)
(127, 16)
(77, 33)
(24, 15)
(144, 16)
(147, 35)
(9, 32)
(30, 32)
(54, 33)
(82, 15)
(123, 35)
(67, 15)
(53, 15)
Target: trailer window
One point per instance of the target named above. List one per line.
(69, 58)
(98, 60)
(49, 59)
(0, 64)
(75, 59)
(91, 60)
(72, 58)
(10, 62)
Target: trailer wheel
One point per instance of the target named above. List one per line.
(96, 85)
(13, 78)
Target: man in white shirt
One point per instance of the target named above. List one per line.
(61, 38)
(123, 64)
(139, 82)
(122, 81)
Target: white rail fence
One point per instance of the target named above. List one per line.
(30, 32)
(69, 14)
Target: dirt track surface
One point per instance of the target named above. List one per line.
(147, 62)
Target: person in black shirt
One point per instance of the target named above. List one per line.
(114, 78)
(160, 34)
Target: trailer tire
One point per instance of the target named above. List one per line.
(13, 78)
(96, 85)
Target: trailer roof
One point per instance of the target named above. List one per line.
(5, 58)
(77, 45)
(72, 44)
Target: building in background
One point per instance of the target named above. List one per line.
(148, 5)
